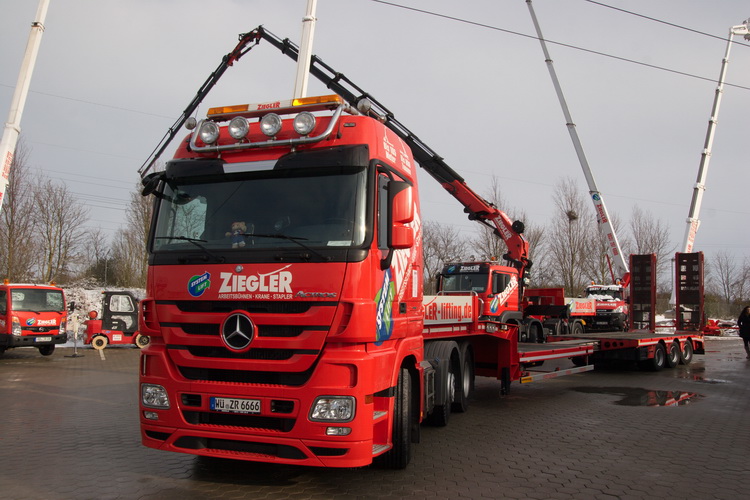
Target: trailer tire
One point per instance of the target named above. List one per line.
(141, 341)
(686, 354)
(47, 350)
(399, 456)
(658, 361)
(99, 342)
(673, 354)
(446, 354)
(465, 384)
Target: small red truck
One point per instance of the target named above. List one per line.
(32, 316)
(284, 297)
(118, 323)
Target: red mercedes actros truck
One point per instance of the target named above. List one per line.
(284, 297)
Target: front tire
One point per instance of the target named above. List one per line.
(47, 350)
(659, 359)
(141, 341)
(399, 456)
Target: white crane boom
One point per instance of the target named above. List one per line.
(700, 184)
(13, 126)
(606, 229)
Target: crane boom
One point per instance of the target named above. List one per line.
(360, 101)
(604, 222)
(475, 206)
(13, 126)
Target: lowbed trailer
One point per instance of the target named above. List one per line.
(651, 350)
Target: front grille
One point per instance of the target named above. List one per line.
(246, 377)
(238, 420)
(250, 306)
(257, 354)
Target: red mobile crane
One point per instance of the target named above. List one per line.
(284, 303)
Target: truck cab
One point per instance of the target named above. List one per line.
(499, 291)
(32, 316)
(611, 307)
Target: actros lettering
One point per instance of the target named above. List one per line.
(275, 281)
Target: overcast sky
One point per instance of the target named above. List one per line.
(470, 81)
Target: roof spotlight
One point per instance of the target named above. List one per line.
(270, 124)
(304, 123)
(209, 132)
(238, 127)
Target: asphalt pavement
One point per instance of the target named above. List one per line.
(69, 430)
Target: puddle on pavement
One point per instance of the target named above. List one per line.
(634, 396)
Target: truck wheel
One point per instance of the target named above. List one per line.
(465, 384)
(576, 329)
(686, 354)
(659, 359)
(399, 456)
(142, 341)
(446, 355)
(47, 350)
(673, 355)
(99, 342)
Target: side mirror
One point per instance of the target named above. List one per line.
(401, 196)
(71, 306)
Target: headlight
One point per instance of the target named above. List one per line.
(154, 396)
(238, 127)
(62, 327)
(16, 328)
(270, 124)
(209, 132)
(333, 409)
(304, 123)
(618, 309)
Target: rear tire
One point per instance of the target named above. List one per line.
(446, 353)
(686, 354)
(465, 384)
(399, 456)
(658, 361)
(673, 354)
(99, 342)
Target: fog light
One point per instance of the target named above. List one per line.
(238, 127)
(333, 409)
(338, 431)
(490, 327)
(270, 124)
(304, 123)
(209, 132)
(154, 396)
(151, 415)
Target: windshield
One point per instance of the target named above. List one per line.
(604, 293)
(465, 283)
(37, 300)
(321, 207)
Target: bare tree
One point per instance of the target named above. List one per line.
(652, 236)
(440, 244)
(598, 265)
(59, 219)
(129, 248)
(488, 245)
(569, 237)
(18, 249)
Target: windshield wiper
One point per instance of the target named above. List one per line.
(294, 239)
(195, 241)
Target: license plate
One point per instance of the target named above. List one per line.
(235, 405)
(43, 339)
